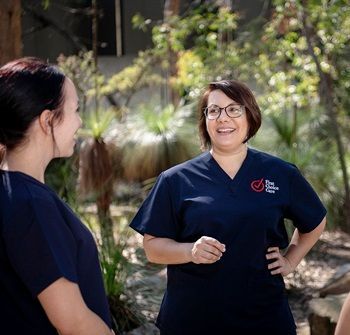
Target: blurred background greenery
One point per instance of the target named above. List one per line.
(293, 54)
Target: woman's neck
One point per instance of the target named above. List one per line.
(237, 155)
(230, 161)
(26, 161)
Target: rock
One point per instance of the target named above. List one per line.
(324, 314)
(157, 280)
(339, 283)
(146, 329)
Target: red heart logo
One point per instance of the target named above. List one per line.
(258, 185)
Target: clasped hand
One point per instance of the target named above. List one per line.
(206, 250)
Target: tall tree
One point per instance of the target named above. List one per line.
(302, 58)
(11, 30)
(171, 9)
(328, 99)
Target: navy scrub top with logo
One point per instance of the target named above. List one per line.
(237, 294)
(41, 240)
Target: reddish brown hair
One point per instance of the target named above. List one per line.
(238, 92)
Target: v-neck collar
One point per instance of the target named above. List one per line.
(219, 172)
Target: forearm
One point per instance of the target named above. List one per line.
(301, 244)
(90, 324)
(343, 325)
(167, 251)
(67, 311)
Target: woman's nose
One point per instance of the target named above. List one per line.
(223, 116)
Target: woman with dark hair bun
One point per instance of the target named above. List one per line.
(217, 221)
(50, 278)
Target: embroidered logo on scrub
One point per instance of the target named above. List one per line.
(266, 185)
(258, 185)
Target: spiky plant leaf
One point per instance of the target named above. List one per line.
(154, 140)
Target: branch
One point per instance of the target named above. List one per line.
(308, 35)
(143, 71)
(327, 95)
(45, 21)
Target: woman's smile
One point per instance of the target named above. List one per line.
(225, 130)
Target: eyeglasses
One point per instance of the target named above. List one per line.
(213, 112)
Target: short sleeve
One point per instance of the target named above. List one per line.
(305, 208)
(39, 244)
(156, 215)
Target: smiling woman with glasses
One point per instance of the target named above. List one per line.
(217, 221)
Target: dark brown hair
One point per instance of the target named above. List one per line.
(28, 86)
(238, 92)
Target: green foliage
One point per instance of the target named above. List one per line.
(133, 78)
(203, 45)
(155, 139)
(157, 123)
(139, 22)
(202, 29)
(273, 58)
(191, 74)
(289, 83)
(114, 266)
(61, 175)
(86, 78)
(277, 62)
(45, 4)
(96, 124)
(115, 270)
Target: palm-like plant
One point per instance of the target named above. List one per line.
(285, 134)
(115, 268)
(97, 169)
(154, 140)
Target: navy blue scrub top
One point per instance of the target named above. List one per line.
(237, 294)
(41, 240)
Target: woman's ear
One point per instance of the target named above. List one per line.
(45, 121)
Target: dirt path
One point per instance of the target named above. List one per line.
(320, 265)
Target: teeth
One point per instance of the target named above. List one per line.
(226, 130)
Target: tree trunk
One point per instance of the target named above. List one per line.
(96, 179)
(10, 30)
(104, 191)
(103, 203)
(326, 92)
(94, 10)
(294, 135)
(171, 8)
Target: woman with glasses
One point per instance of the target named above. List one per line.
(217, 221)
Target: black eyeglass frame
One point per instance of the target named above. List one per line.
(242, 110)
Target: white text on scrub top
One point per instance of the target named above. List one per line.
(270, 186)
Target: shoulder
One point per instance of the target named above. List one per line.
(20, 192)
(267, 160)
(30, 205)
(188, 166)
(182, 174)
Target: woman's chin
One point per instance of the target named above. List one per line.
(228, 146)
